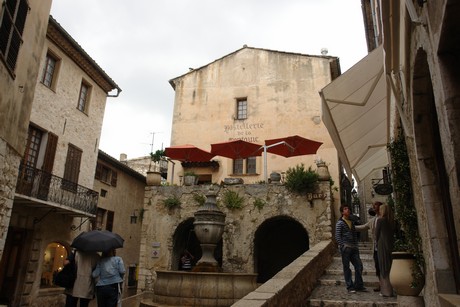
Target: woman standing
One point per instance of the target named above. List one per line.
(110, 270)
(384, 233)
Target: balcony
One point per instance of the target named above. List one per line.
(40, 189)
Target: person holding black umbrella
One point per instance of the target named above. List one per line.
(83, 288)
(110, 270)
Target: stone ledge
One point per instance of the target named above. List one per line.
(449, 300)
(292, 287)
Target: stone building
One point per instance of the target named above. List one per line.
(20, 52)
(270, 229)
(53, 197)
(408, 85)
(120, 209)
(252, 94)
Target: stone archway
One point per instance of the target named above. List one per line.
(277, 242)
(434, 180)
(184, 238)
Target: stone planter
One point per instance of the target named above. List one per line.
(153, 178)
(190, 180)
(275, 177)
(401, 275)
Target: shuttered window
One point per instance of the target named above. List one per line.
(106, 174)
(13, 18)
(34, 140)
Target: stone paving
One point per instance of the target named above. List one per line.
(331, 289)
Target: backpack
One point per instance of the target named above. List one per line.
(66, 277)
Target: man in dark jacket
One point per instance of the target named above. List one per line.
(347, 239)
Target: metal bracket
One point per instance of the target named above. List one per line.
(73, 227)
(38, 220)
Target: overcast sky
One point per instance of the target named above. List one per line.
(142, 44)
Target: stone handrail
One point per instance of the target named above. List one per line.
(293, 285)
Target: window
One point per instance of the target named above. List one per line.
(238, 166)
(248, 164)
(49, 70)
(106, 174)
(72, 167)
(251, 165)
(13, 18)
(103, 193)
(104, 220)
(34, 139)
(83, 98)
(241, 108)
(53, 261)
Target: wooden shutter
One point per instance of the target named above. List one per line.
(113, 180)
(50, 153)
(98, 175)
(72, 164)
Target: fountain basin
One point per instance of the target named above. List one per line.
(177, 288)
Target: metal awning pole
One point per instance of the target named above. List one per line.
(265, 156)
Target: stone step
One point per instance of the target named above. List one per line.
(337, 295)
(370, 281)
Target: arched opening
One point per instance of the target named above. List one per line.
(433, 175)
(184, 238)
(278, 242)
(53, 262)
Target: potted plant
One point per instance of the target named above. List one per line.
(406, 274)
(153, 175)
(190, 178)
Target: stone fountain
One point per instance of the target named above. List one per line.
(207, 284)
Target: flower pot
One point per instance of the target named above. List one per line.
(275, 177)
(153, 178)
(401, 275)
(190, 180)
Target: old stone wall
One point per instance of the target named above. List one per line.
(9, 165)
(160, 223)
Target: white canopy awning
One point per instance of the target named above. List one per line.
(356, 113)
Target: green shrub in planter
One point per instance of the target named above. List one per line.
(300, 180)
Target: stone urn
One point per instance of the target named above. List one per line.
(322, 171)
(153, 178)
(275, 177)
(401, 275)
(190, 180)
(209, 227)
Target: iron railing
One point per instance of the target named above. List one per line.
(38, 184)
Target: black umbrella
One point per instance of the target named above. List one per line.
(97, 241)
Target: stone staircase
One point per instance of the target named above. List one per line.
(331, 289)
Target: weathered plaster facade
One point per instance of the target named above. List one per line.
(281, 90)
(17, 92)
(160, 225)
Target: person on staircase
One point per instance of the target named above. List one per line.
(347, 240)
(370, 225)
(384, 234)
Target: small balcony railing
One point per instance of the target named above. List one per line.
(38, 184)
